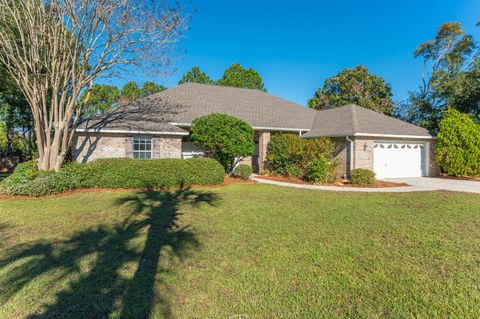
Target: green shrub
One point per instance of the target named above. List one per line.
(279, 157)
(114, 173)
(242, 171)
(224, 138)
(295, 171)
(321, 170)
(28, 168)
(458, 145)
(290, 155)
(361, 176)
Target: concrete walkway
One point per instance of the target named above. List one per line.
(454, 185)
(401, 189)
(420, 184)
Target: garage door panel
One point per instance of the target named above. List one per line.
(396, 160)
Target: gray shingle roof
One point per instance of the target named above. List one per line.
(131, 118)
(352, 120)
(179, 106)
(257, 108)
(186, 102)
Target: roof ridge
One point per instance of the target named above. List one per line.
(219, 86)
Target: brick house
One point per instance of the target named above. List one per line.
(158, 127)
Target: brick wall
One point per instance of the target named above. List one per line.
(342, 154)
(167, 147)
(434, 168)
(263, 140)
(363, 153)
(89, 147)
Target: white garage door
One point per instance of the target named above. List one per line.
(396, 160)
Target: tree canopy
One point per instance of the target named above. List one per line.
(450, 80)
(130, 92)
(357, 86)
(150, 88)
(16, 118)
(237, 76)
(195, 75)
(224, 137)
(103, 97)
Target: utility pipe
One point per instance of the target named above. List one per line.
(351, 152)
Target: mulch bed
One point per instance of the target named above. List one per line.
(227, 181)
(340, 183)
(470, 179)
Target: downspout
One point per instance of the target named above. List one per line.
(351, 152)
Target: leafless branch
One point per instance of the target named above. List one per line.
(54, 49)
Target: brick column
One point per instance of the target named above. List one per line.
(263, 140)
(434, 167)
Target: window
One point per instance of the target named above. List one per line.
(142, 147)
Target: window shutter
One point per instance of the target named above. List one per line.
(129, 147)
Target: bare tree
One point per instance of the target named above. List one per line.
(54, 49)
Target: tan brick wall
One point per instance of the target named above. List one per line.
(263, 140)
(363, 153)
(87, 148)
(246, 161)
(434, 167)
(167, 147)
(343, 155)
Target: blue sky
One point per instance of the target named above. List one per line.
(296, 45)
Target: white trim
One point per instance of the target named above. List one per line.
(280, 129)
(266, 128)
(351, 152)
(129, 132)
(394, 136)
(427, 158)
(180, 124)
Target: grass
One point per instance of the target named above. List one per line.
(242, 251)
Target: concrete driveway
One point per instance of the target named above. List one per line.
(431, 183)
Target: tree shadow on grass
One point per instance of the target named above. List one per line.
(108, 274)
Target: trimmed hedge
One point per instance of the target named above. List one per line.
(242, 171)
(361, 176)
(113, 173)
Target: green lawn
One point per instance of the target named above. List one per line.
(243, 251)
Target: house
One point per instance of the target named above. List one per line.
(158, 127)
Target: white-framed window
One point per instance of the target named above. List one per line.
(142, 147)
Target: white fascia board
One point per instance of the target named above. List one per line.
(180, 124)
(265, 128)
(281, 129)
(82, 130)
(394, 136)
